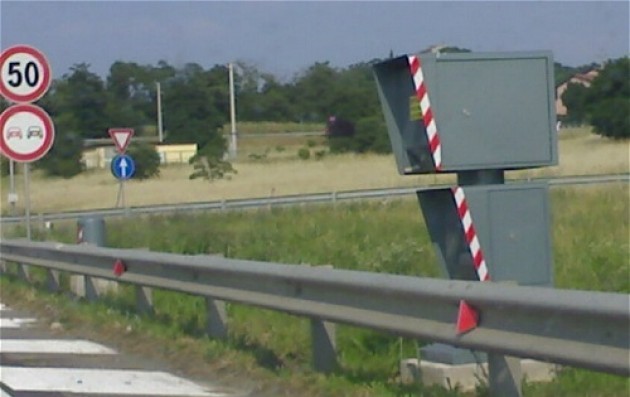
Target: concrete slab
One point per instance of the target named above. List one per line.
(467, 376)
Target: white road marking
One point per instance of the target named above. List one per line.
(53, 346)
(84, 381)
(99, 381)
(15, 322)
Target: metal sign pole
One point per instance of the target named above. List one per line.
(118, 196)
(12, 196)
(122, 193)
(27, 200)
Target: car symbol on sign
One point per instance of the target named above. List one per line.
(34, 131)
(14, 132)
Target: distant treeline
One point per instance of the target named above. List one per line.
(195, 102)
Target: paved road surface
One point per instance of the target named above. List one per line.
(36, 362)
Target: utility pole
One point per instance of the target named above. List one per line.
(233, 144)
(159, 112)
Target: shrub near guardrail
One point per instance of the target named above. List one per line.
(590, 229)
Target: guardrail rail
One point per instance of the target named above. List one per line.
(577, 328)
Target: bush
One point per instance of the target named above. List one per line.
(609, 100)
(304, 153)
(209, 164)
(575, 99)
(370, 136)
(65, 158)
(147, 160)
(4, 166)
(610, 120)
(606, 103)
(320, 154)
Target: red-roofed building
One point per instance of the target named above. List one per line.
(586, 79)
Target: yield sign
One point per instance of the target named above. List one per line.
(121, 138)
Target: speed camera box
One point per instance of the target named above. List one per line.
(469, 111)
(509, 226)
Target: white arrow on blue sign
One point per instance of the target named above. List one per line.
(123, 166)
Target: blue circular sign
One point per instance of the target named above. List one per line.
(123, 167)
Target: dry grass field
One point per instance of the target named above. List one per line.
(278, 171)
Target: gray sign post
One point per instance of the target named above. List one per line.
(477, 115)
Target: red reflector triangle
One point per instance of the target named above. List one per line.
(467, 317)
(119, 268)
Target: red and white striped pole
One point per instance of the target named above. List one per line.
(468, 316)
(425, 109)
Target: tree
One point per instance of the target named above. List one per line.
(209, 163)
(196, 111)
(4, 162)
(65, 158)
(370, 136)
(128, 97)
(452, 49)
(3, 104)
(77, 104)
(608, 100)
(82, 94)
(146, 159)
(575, 100)
(314, 93)
(562, 73)
(4, 166)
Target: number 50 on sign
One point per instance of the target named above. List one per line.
(24, 74)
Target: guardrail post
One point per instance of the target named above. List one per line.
(144, 299)
(217, 318)
(324, 345)
(52, 280)
(505, 375)
(91, 230)
(90, 289)
(24, 272)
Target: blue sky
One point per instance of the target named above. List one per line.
(284, 38)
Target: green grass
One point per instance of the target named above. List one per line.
(591, 251)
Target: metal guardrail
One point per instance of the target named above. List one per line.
(577, 328)
(156, 139)
(327, 197)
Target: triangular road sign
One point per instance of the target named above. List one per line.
(121, 138)
(119, 268)
(467, 317)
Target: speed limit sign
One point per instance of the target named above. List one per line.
(24, 74)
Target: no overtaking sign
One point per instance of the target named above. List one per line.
(27, 133)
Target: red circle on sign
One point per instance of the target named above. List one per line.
(48, 138)
(41, 88)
